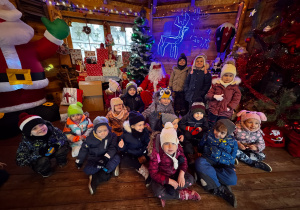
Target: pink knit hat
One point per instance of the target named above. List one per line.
(245, 115)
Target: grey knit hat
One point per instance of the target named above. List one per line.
(229, 125)
(98, 121)
(166, 117)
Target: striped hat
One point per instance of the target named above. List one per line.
(27, 122)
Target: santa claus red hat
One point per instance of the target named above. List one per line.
(27, 122)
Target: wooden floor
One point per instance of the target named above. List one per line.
(67, 188)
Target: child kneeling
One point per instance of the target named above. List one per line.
(168, 168)
(40, 142)
(101, 149)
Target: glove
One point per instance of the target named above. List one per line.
(58, 28)
(102, 162)
(139, 89)
(78, 165)
(180, 159)
(192, 130)
(219, 97)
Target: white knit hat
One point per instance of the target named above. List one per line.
(168, 134)
(113, 85)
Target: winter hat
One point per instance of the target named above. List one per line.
(166, 117)
(113, 85)
(182, 56)
(75, 109)
(229, 125)
(198, 107)
(135, 117)
(245, 115)
(131, 85)
(168, 134)
(27, 122)
(165, 93)
(98, 121)
(114, 102)
(229, 67)
(199, 56)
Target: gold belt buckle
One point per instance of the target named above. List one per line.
(19, 76)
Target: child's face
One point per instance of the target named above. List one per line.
(252, 124)
(76, 118)
(199, 62)
(132, 91)
(102, 131)
(175, 123)
(139, 127)
(198, 116)
(165, 101)
(118, 108)
(181, 62)
(220, 134)
(227, 78)
(169, 148)
(39, 130)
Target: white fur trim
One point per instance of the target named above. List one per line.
(10, 15)
(27, 120)
(11, 57)
(22, 106)
(6, 87)
(236, 81)
(52, 39)
(127, 127)
(7, 4)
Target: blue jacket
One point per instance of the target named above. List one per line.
(196, 86)
(220, 151)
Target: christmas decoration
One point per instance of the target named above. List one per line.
(109, 40)
(223, 36)
(252, 13)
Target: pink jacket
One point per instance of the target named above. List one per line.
(232, 96)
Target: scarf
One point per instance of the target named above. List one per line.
(175, 161)
(226, 84)
(137, 134)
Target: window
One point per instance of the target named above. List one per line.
(122, 39)
(87, 42)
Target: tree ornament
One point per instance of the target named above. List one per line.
(267, 28)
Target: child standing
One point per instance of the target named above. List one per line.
(101, 149)
(224, 95)
(117, 115)
(133, 144)
(161, 104)
(198, 81)
(215, 169)
(114, 90)
(40, 142)
(168, 168)
(77, 127)
(177, 79)
(131, 99)
(250, 140)
(194, 125)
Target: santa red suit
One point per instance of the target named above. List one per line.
(155, 79)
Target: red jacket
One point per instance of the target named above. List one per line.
(232, 96)
(161, 165)
(148, 85)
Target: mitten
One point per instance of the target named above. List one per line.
(219, 97)
(58, 28)
(102, 162)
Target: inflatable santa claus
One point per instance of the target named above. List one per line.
(155, 79)
(22, 77)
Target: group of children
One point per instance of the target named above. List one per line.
(163, 152)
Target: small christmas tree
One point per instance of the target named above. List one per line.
(141, 56)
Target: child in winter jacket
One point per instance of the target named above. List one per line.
(215, 169)
(100, 148)
(194, 125)
(161, 104)
(250, 140)
(133, 144)
(224, 95)
(132, 101)
(172, 118)
(117, 116)
(40, 143)
(168, 168)
(177, 80)
(77, 127)
(198, 81)
(114, 90)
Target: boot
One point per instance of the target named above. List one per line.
(187, 194)
(143, 170)
(262, 165)
(163, 202)
(117, 171)
(93, 183)
(225, 193)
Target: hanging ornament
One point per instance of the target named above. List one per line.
(223, 36)
(252, 13)
(267, 28)
(86, 29)
(247, 40)
(109, 40)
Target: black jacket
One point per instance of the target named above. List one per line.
(134, 103)
(189, 120)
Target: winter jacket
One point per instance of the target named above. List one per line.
(161, 165)
(232, 96)
(245, 136)
(96, 148)
(115, 123)
(196, 86)
(178, 78)
(133, 145)
(218, 151)
(133, 102)
(148, 85)
(189, 120)
(74, 131)
(30, 150)
(153, 112)
(108, 95)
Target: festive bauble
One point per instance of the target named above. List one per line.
(267, 28)
(247, 40)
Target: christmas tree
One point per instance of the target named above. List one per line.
(271, 73)
(141, 46)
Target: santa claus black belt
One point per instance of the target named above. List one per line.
(21, 76)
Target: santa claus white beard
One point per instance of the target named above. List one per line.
(15, 33)
(155, 76)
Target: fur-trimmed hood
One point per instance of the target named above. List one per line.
(127, 127)
(236, 81)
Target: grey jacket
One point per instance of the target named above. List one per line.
(178, 78)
